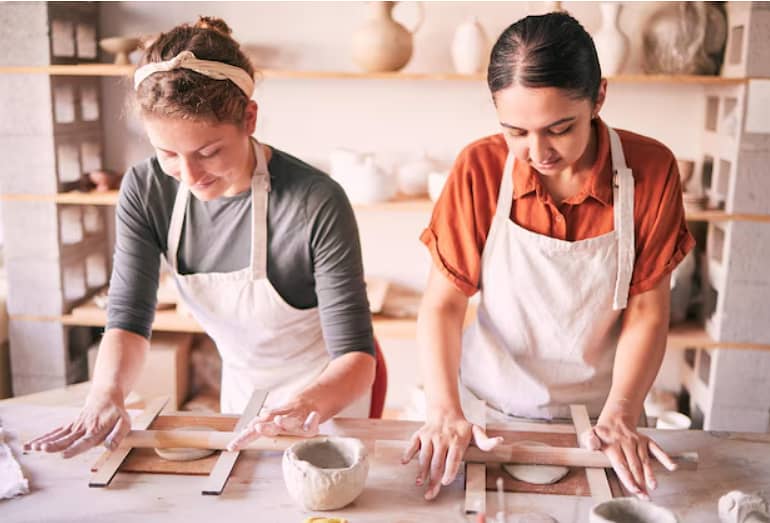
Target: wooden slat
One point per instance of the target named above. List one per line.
(218, 478)
(597, 477)
(103, 476)
(476, 473)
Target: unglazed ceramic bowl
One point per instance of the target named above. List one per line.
(325, 473)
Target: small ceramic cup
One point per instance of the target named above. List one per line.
(325, 473)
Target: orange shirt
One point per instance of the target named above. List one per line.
(463, 214)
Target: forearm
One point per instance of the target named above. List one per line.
(345, 379)
(640, 352)
(439, 336)
(119, 362)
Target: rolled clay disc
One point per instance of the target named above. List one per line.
(185, 454)
(536, 474)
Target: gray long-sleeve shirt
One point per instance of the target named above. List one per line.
(314, 252)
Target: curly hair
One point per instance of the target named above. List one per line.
(185, 94)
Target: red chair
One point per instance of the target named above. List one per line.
(380, 385)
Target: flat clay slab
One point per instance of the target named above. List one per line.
(146, 461)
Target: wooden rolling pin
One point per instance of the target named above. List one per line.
(565, 456)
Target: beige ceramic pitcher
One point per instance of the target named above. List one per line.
(381, 43)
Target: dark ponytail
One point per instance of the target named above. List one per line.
(551, 50)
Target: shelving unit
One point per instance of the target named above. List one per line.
(399, 204)
(683, 336)
(37, 328)
(127, 70)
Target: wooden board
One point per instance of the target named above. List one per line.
(575, 483)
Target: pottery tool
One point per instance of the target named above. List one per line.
(476, 472)
(103, 476)
(505, 453)
(500, 501)
(218, 477)
(597, 477)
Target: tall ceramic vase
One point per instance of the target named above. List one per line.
(470, 47)
(611, 44)
(381, 43)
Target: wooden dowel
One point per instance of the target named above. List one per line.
(566, 456)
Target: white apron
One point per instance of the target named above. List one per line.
(264, 342)
(549, 318)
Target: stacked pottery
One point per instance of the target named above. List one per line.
(413, 176)
(381, 44)
(364, 182)
(470, 47)
(611, 43)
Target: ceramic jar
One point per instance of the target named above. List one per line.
(611, 43)
(413, 176)
(362, 179)
(470, 47)
(382, 44)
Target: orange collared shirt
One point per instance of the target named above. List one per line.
(463, 214)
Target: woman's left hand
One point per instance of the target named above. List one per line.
(298, 417)
(628, 451)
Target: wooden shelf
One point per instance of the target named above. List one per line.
(69, 198)
(126, 70)
(682, 336)
(399, 204)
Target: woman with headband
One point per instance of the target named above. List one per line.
(569, 231)
(265, 254)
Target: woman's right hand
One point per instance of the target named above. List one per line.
(103, 418)
(442, 442)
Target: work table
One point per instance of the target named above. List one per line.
(60, 492)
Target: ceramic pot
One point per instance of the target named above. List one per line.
(382, 44)
(623, 510)
(684, 38)
(470, 47)
(121, 47)
(611, 43)
(436, 181)
(325, 473)
(364, 182)
(413, 176)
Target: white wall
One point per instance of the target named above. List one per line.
(397, 119)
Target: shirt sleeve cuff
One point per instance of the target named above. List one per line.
(429, 239)
(686, 244)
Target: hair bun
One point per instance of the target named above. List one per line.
(213, 23)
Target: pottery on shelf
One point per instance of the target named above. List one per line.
(362, 179)
(436, 181)
(413, 176)
(623, 510)
(381, 44)
(684, 38)
(121, 47)
(470, 47)
(611, 43)
(325, 473)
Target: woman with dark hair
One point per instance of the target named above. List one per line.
(266, 254)
(569, 231)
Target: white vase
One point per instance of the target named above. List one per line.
(470, 47)
(611, 44)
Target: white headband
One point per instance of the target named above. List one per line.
(187, 60)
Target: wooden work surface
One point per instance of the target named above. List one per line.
(256, 492)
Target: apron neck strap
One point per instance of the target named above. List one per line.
(623, 213)
(260, 188)
(623, 217)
